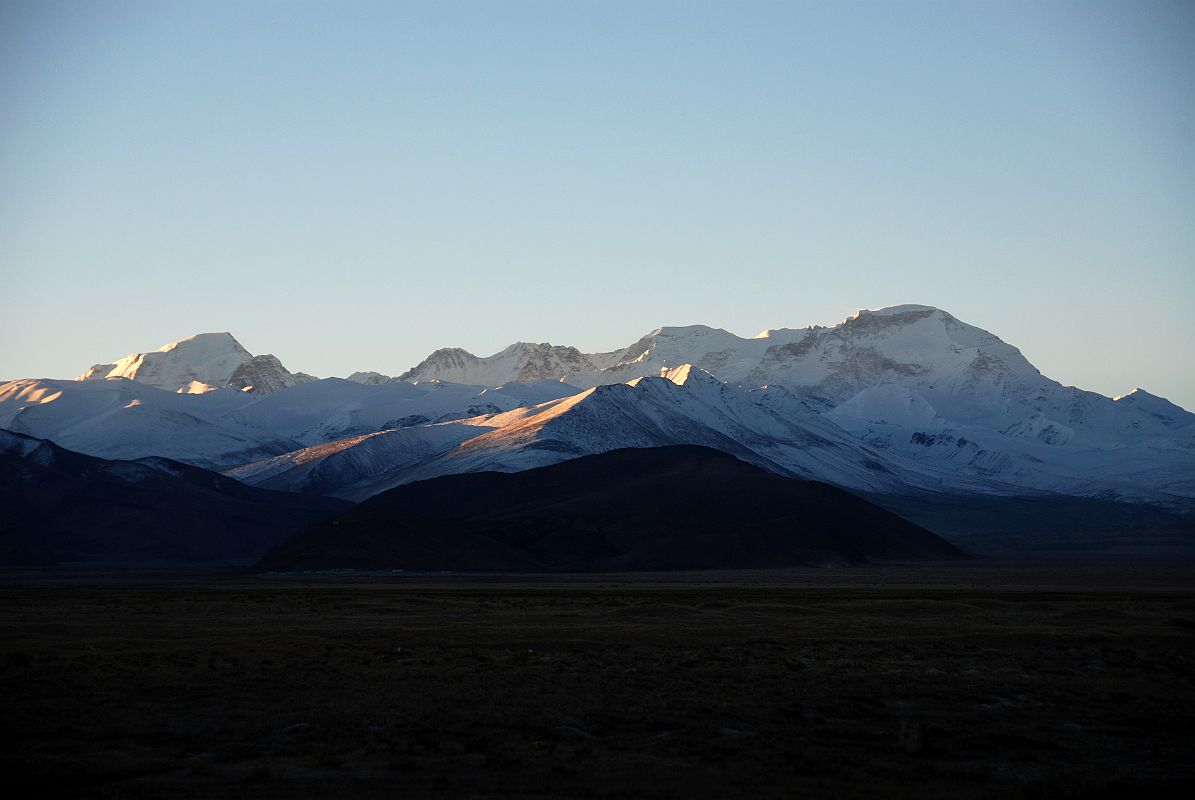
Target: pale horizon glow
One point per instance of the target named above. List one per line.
(351, 186)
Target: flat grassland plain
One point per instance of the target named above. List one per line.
(977, 679)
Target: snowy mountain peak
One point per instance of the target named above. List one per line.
(200, 363)
(686, 375)
(686, 331)
(899, 310)
(666, 337)
(1156, 408)
(206, 343)
(679, 375)
(440, 363)
(371, 378)
(523, 362)
(96, 372)
(784, 333)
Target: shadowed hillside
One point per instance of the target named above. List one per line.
(63, 506)
(633, 509)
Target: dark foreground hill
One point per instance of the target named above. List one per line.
(61, 506)
(635, 509)
(1052, 525)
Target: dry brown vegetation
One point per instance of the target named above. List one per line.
(977, 679)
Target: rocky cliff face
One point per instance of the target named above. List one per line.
(265, 374)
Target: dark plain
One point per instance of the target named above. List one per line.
(969, 679)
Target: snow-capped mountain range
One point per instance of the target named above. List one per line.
(912, 345)
(899, 400)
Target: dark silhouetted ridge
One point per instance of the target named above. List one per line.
(664, 508)
(61, 506)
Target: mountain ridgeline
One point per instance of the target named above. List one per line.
(907, 405)
(898, 400)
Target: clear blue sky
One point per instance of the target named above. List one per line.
(351, 185)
